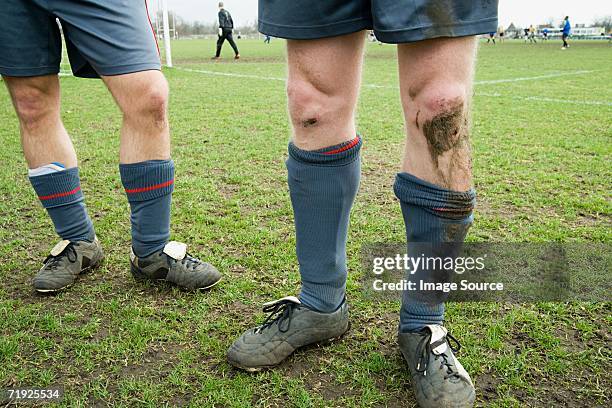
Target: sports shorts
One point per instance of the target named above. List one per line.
(103, 37)
(393, 21)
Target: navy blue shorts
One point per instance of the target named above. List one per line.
(393, 21)
(103, 37)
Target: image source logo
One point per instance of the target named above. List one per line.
(492, 272)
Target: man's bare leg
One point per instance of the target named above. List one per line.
(54, 175)
(322, 93)
(434, 189)
(143, 100)
(43, 136)
(50, 154)
(147, 173)
(436, 79)
(323, 167)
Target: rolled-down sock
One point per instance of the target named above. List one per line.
(148, 186)
(59, 191)
(323, 185)
(432, 215)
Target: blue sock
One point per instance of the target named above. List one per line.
(434, 215)
(323, 185)
(60, 193)
(149, 186)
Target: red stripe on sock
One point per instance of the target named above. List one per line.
(149, 188)
(58, 195)
(345, 147)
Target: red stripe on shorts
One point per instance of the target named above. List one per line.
(152, 29)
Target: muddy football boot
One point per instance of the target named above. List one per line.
(289, 326)
(66, 261)
(174, 265)
(438, 379)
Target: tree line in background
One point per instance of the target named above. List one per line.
(605, 22)
(182, 28)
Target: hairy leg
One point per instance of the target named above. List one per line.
(323, 164)
(143, 100)
(45, 141)
(43, 136)
(147, 173)
(436, 85)
(322, 88)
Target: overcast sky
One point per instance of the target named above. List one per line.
(521, 12)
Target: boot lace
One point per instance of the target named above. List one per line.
(425, 348)
(280, 313)
(53, 262)
(188, 261)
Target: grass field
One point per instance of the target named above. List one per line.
(542, 138)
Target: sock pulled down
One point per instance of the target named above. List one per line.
(59, 191)
(148, 186)
(323, 185)
(432, 215)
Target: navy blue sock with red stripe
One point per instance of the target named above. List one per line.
(432, 214)
(148, 186)
(322, 186)
(60, 193)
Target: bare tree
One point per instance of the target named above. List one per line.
(605, 22)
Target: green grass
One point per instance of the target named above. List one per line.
(542, 170)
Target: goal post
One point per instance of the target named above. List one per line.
(166, 30)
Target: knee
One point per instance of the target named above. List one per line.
(311, 106)
(151, 104)
(442, 114)
(33, 105)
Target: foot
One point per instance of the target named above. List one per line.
(174, 265)
(438, 379)
(65, 263)
(289, 326)
(215, 58)
(237, 56)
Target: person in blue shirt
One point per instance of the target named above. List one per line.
(566, 30)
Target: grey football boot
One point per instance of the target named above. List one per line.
(438, 378)
(65, 263)
(289, 326)
(174, 265)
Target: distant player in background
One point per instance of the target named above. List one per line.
(545, 34)
(226, 26)
(531, 35)
(267, 39)
(491, 38)
(502, 33)
(566, 30)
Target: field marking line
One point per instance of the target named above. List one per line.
(231, 74)
(544, 99)
(484, 82)
(533, 78)
(495, 95)
(487, 94)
